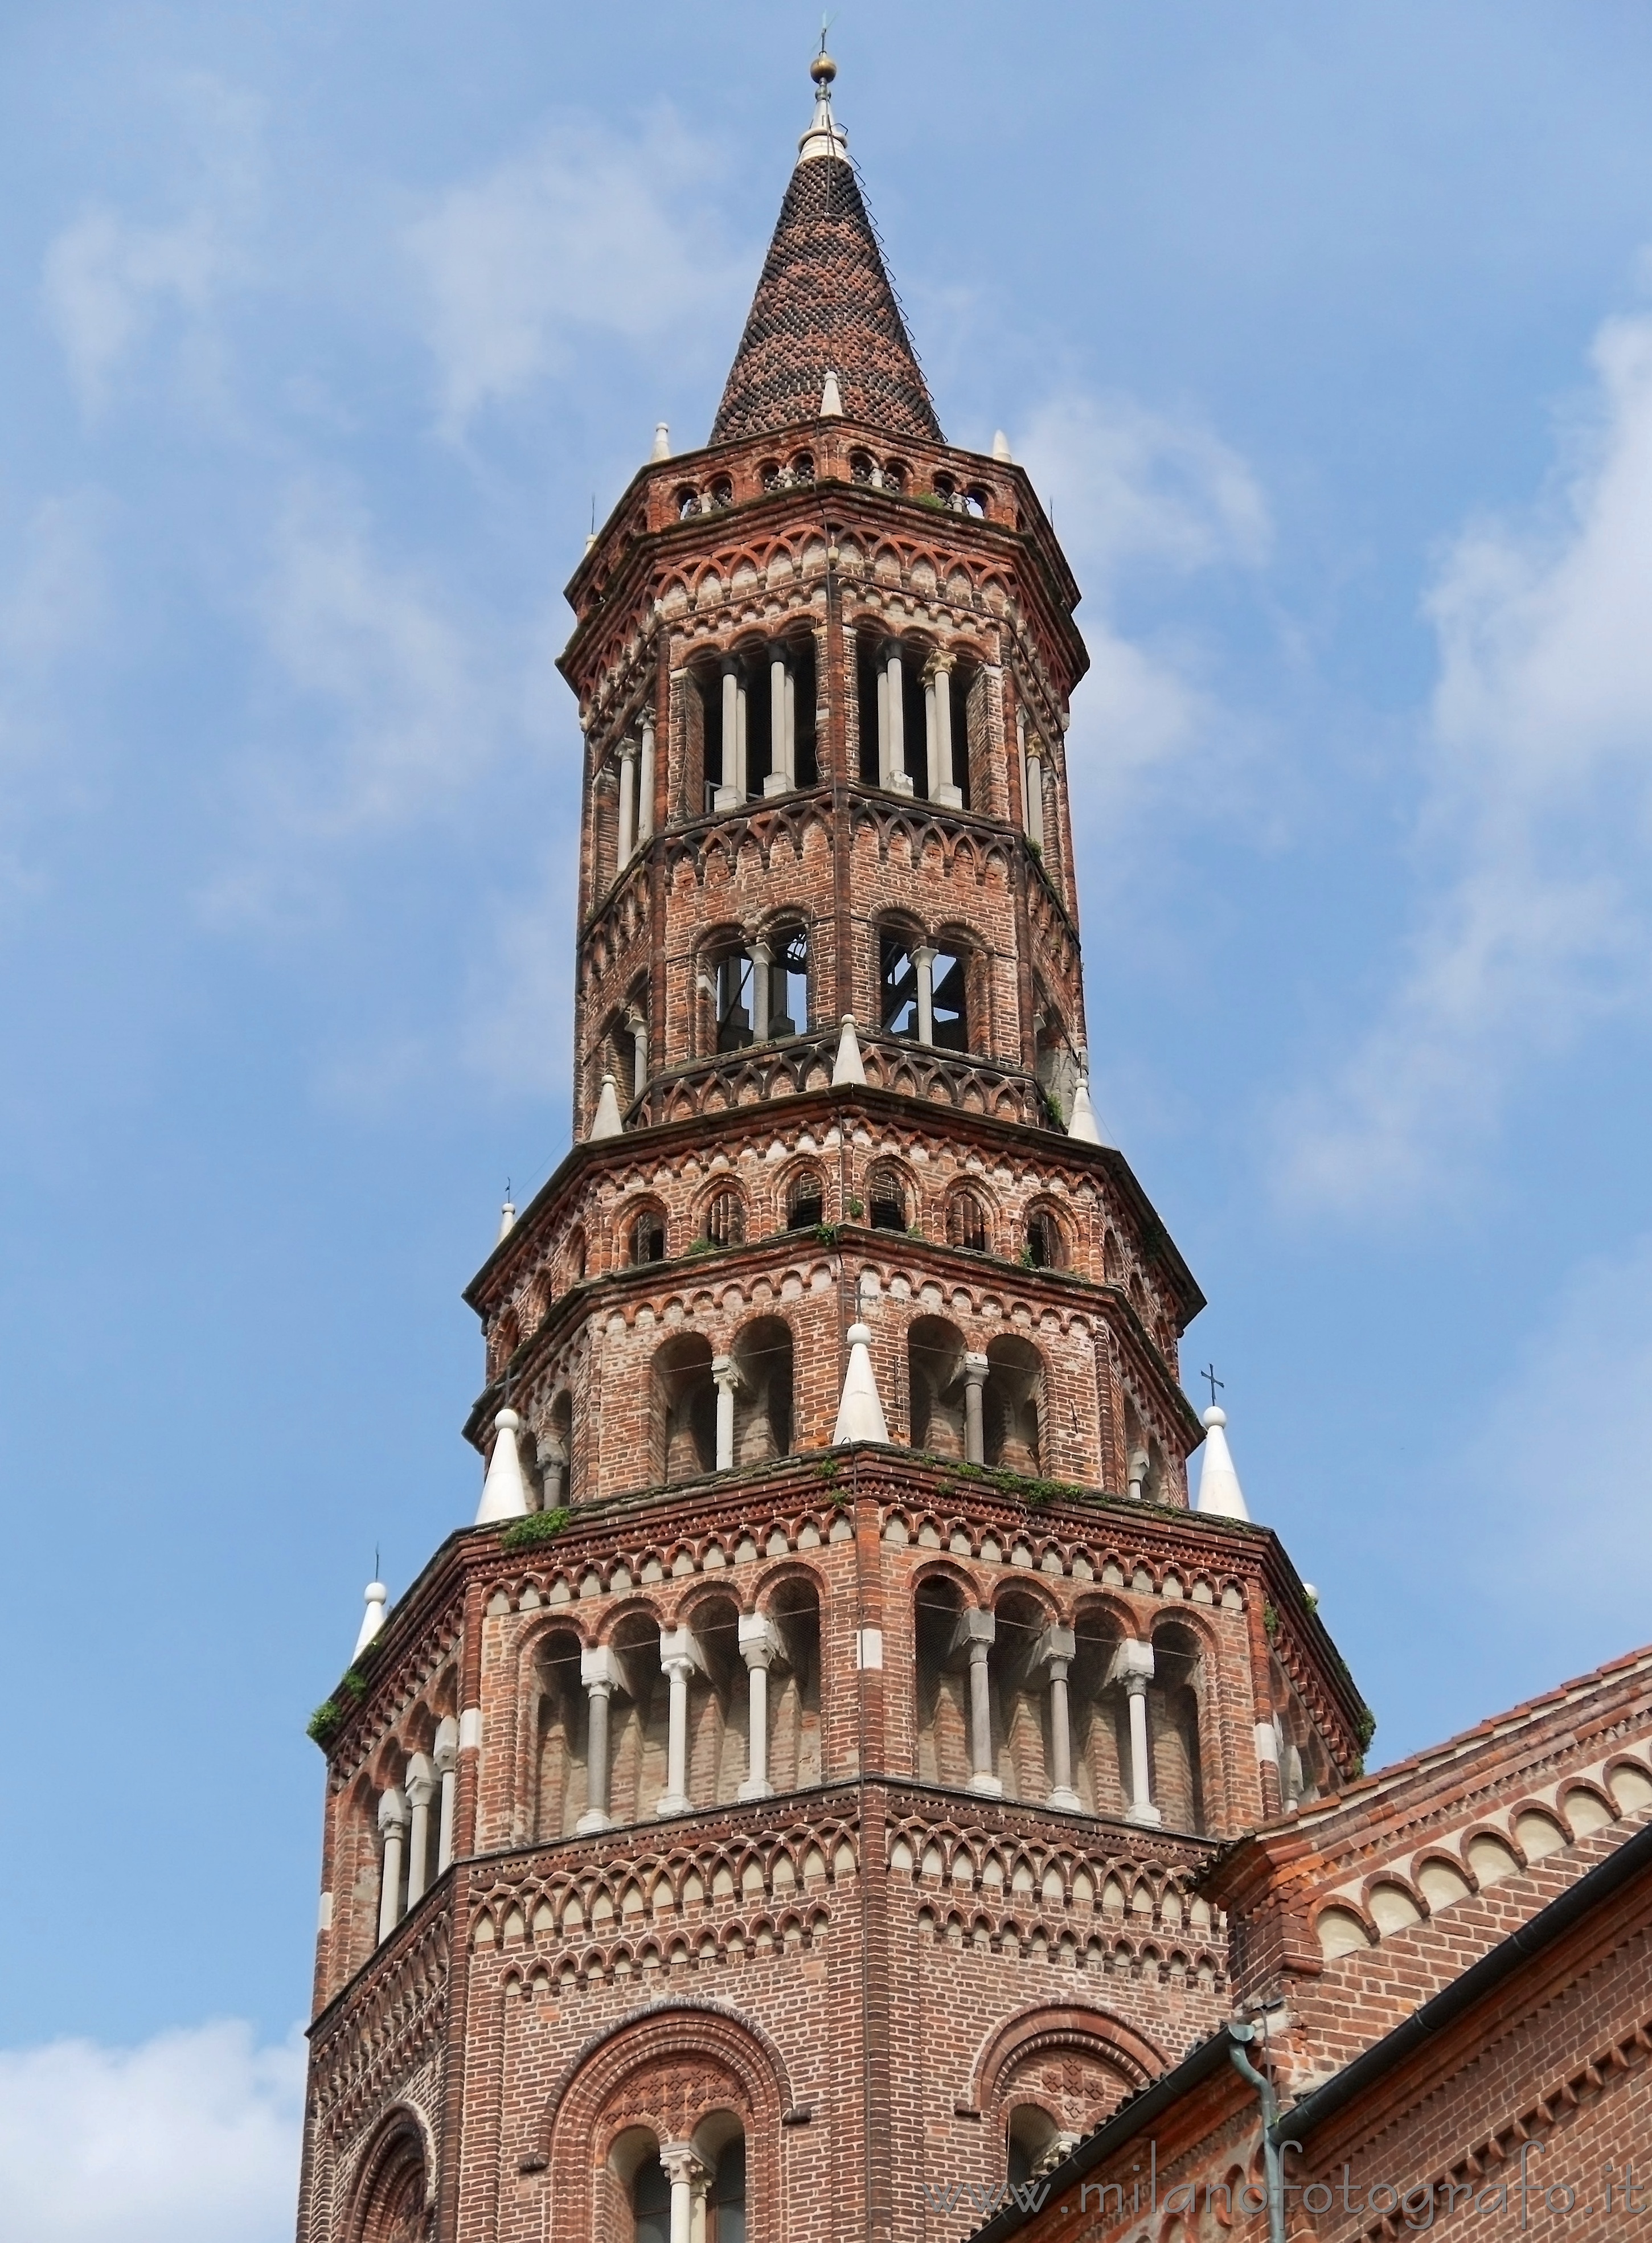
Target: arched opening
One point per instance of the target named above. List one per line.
(650, 2195)
(889, 678)
(1100, 1715)
(726, 2193)
(1031, 2135)
(392, 2206)
(723, 1218)
(942, 1687)
(967, 1223)
(1055, 1063)
(763, 1356)
(897, 982)
(924, 987)
(1046, 1248)
(561, 1736)
(725, 984)
(1013, 1403)
(638, 1721)
(1019, 1697)
(795, 1747)
(950, 979)
(646, 1242)
(886, 1196)
(788, 981)
(935, 1374)
(684, 1410)
(804, 1200)
(556, 1454)
(1174, 1699)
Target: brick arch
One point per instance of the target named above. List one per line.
(666, 2067)
(1048, 2030)
(391, 2200)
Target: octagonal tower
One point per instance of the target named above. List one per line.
(783, 1811)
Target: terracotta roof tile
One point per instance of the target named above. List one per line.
(823, 301)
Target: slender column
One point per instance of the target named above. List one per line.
(1055, 1650)
(976, 1368)
(759, 1647)
(1136, 1471)
(645, 788)
(679, 1656)
(894, 709)
(946, 788)
(727, 1379)
(883, 726)
(392, 1825)
(732, 793)
(923, 960)
(783, 775)
(638, 1025)
(447, 1760)
(1133, 1666)
(597, 1673)
(552, 1458)
(627, 802)
(422, 1789)
(974, 1635)
(1021, 754)
(690, 2176)
(1034, 796)
(762, 959)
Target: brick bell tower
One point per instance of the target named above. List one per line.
(786, 1803)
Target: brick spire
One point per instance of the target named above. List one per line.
(824, 304)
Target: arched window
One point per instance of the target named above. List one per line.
(763, 1397)
(893, 716)
(803, 467)
(688, 502)
(942, 1684)
(895, 475)
(648, 1237)
(1032, 2135)
(795, 1745)
(950, 983)
(862, 468)
(967, 1223)
(897, 983)
(1112, 1260)
(722, 1219)
(1013, 1402)
(574, 1256)
(684, 1409)
(789, 980)
(887, 1195)
(936, 1375)
(1100, 1715)
(560, 1737)
(651, 2202)
(1173, 1726)
(726, 2198)
(1045, 1246)
(804, 1200)
(393, 2202)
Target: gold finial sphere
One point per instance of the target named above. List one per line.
(823, 70)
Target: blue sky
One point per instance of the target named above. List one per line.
(1328, 336)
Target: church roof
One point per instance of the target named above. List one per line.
(824, 304)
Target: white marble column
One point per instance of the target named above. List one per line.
(1034, 796)
(1055, 1650)
(392, 1829)
(762, 959)
(892, 709)
(598, 1673)
(944, 788)
(627, 802)
(727, 1379)
(730, 795)
(976, 1369)
(783, 768)
(422, 1790)
(923, 960)
(446, 1757)
(1021, 757)
(974, 1635)
(680, 1658)
(646, 784)
(690, 2176)
(637, 1026)
(760, 1648)
(1136, 1471)
(1133, 1666)
(552, 1459)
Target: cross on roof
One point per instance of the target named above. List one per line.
(1209, 1375)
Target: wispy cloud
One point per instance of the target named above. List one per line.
(1134, 490)
(111, 278)
(1538, 829)
(190, 2137)
(586, 231)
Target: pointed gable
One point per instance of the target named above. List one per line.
(824, 304)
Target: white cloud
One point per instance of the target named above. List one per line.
(49, 609)
(386, 702)
(585, 231)
(191, 2137)
(109, 279)
(1129, 489)
(1539, 818)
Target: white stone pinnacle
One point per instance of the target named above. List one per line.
(372, 1619)
(661, 440)
(504, 1492)
(606, 1121)
(848, 1067)
(1219, 1489)
(830, 398)
(507, 1220)
(1082, 1123)
(859, 1413)
(1001, 446)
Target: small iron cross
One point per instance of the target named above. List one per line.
(1209, 1375)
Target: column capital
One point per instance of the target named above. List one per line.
(1056, 1646)
(629, 750)
(684, 2164)
(445, 1752)
(1132, 1664)
(760, 1640)
(976, 1369)
(599, 1668)
(726, 1373)
(973, 1628)
(392, 1812)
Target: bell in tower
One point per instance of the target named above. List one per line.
(789, 1798)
